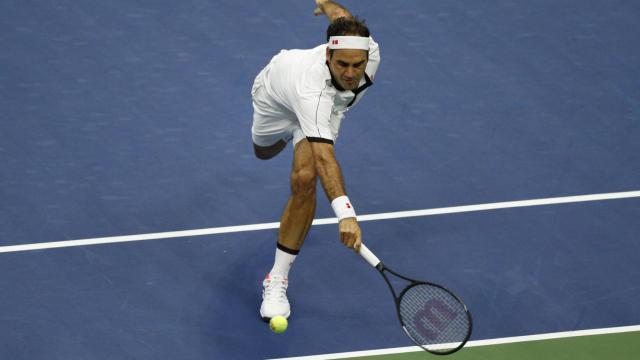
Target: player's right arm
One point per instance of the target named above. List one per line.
(332, 182)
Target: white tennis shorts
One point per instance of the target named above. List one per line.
(271, 121)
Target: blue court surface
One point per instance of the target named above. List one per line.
(123, 118)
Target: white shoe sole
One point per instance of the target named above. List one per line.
(267, 319)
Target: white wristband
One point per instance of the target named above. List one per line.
(343, 208)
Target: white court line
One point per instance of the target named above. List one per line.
(507, 340)
(275, 225)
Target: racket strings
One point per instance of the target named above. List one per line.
(434, 318)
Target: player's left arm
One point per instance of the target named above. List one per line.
(331, 9)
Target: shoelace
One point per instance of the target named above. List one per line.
(276, 290)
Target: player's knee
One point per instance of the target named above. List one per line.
(303, 181)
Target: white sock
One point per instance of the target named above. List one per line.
(282, 263)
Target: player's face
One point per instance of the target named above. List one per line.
(347, 66)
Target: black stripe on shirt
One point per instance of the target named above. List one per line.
(357, 91)
(318, 107)
(320, 140)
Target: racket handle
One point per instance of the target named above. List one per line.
(369, 256)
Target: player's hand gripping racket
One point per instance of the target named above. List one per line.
(433, 317)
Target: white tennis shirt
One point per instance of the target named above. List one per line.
(300, 81)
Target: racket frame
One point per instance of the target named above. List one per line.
(382, 268)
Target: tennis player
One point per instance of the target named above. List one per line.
(301, 96)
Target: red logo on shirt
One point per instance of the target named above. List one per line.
(348, 206)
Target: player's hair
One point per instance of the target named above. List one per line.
(347, 26)
(344, 26)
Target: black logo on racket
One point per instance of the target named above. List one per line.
(434, 318)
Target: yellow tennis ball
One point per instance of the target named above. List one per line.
(278, 324)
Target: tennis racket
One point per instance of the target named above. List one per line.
(433, 317)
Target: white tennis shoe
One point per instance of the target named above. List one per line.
(274, 297)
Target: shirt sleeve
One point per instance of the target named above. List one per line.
(313, 106)
(374, 58)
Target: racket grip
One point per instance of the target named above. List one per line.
(369, 256)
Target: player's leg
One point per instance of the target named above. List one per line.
(301, 206)
(267, 152)
(294, 225)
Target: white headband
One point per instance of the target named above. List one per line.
(349, 42)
